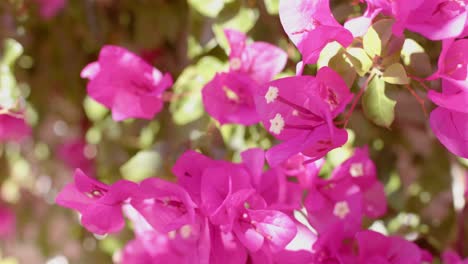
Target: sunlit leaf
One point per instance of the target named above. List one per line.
(141, 166)
(360, 60)
(272, 6)
(209, 8)
(372, 43)
(243, 21)
(187, 103)
(415, 58)
(378, 107)
(94, 110)
(12, 51)
(396, 74)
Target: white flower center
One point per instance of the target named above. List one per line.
(235, 63)
(356, 170)
(271, 94)
(277, 124)
(341, 209)
(186, 231)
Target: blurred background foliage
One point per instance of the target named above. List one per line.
(185, 38)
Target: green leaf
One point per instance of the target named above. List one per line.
(379, 39)
(377, 106)
(333, 55)
(12, 51)
(396, 74)
(94, 110)
(141, 166)
(243, 21)
(372, 43)
(361, 62)
(209, 8)
(9, 90)
(415, 58)
(272, 6)
(187, 105)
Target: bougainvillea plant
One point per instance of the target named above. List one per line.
(225, 131)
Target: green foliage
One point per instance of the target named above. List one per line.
(360, 60)
(272, 6)
(377, 106)
(9, 90)
(396, 74)
(187, 105)
(415, 58)
(209, 8)
(141, 166)
(243, 21)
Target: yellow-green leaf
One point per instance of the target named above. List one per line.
(187, 105)
(209, 8)
(396, 74)
(143, 165)
(360, 60)
(243, 21)
(372, 43)
(377, 106)
(415, 58)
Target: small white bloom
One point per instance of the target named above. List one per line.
(356, 170)
(235, 63)
(186, 231)
(341, 209)
(277, 124)
(271, 94)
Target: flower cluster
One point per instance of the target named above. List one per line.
(286, 212)
(219, 209)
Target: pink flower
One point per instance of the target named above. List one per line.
(332, 204)
(359, 26)
(13, 128)
(7, 222)
(126, 84)
(166, 206)
(310, 25)
(451, 257)
(155, 247)
(189, 170)
(401, 10)
(376, 248)
(300, 111)
(50, 8)
(228, 98)
(99, 204)
(453, 60)
(260, 60)
(361, 171)
(226, 248)
(73, 153)
(255, 225)
(334, 246)
(439, 19)
(305, 171)
(449, 121)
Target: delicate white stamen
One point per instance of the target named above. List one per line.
(271, 94)
(235, 63)
(277, 124)
(186, 231)
(295, 113)
(172, 234)
(341, 209)
(356, 170)
(245, 216)
(157, 76)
